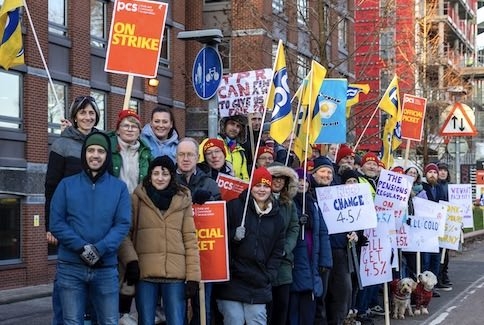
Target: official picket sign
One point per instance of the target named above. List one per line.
(453, 227)
(230, 187)
(461, 195)
(211, 224)
(431, 209)
(243, 92)
(393, 190)
(135, 38)
(423, 234)
(347, 208)
(375, 259)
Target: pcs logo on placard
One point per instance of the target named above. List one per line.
(225, 185)
(133, 7)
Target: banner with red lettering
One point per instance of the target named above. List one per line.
(211, 223)
(230, 187)
(243, 92)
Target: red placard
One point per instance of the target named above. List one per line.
(211, 223)
(135, 37)
(230, 187)
(413, 117)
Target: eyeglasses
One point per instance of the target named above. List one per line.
(213, 153)
(128, 127)
(190, 155)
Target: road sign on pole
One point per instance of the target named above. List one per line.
(459, 122)
(207, 72)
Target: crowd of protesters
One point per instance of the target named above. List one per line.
(284, 266)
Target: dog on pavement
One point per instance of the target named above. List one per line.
(401, 293)
(423, 293)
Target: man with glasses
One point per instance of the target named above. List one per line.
(214, 159)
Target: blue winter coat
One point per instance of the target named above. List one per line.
(160, 147)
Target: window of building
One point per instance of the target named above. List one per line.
(302, 11)
(56, 107)
(57, 17)
(134, 105)
(302, 67)
(343, 33)
(98, 23)
(165, 48)
(9, 229)
(10, 100)
(100, 98)
(224, 50)
(387, 44)
(277, 6)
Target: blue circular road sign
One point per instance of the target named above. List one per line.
(207, 72)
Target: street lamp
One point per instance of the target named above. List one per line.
(211, 38)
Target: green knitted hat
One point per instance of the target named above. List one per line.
(98, 139)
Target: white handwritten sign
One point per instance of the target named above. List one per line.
(401, 236)
(453, 228)
(375, 267)
(243, 92)
(461, 195)
(431, 209)
(423, 234)
(347, 207)
(392, 191)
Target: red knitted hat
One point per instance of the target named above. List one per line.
(127, 113)
(261, 175)
(344, 151)
(430, 167)
(370, 156)
(263, 150)
(213, 142)
(398, 169)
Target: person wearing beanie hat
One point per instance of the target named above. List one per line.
(398, 169)
(323, 171)
(163, 230)
(214, 159)
(131, 116)
(346, 154)
(370, 170)
(444, 181)
(256, 249)
(284, 188)
(432, 191)
(350, 177)
(90, 216)
(264, 157)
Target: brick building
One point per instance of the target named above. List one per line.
(73, 36)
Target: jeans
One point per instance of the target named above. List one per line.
(208, 306)
(174, 303)
(366, 298)
(431, 262)
(239, 313)
(79, 283)
(56, 304)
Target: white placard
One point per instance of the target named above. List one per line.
(392, 191)
(423, 234)
(347, 208)
(431, 209)
(461, 195)
(453, 228)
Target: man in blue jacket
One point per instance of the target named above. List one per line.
(90, 215)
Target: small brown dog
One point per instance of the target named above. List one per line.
(423, 293)
(401, 294)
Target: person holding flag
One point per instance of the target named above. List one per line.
(11, 47)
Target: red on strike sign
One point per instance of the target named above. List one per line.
(135, 37)
(413, 117)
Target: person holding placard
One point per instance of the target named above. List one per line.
(256, 249)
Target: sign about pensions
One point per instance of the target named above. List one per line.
(243, 92)
(211, 224)
(135, 37)
(347, 208)
(413, 113)
(393, 190)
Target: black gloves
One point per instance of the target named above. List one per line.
(322, 270)
(305, 220)
(90, 255)
(363, 241)
(191, 289)
(132, 273)
(200, 196)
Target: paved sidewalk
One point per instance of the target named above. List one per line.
(26, 293)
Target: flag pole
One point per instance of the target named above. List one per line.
(40, 52)
(366, 127)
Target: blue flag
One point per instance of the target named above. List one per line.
(332, 111)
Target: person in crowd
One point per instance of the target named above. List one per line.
(87, 256)
(312, 256)
(214, 161)
(203, 188)
(316, 151)
(256, 249)
(370, 170)
(161, 250)
(160, 134)
(65, 160)
(331, 151)
(264, 157)
(255, 123)
(131, 158)
(265, 139)
(432, 191)
(444, 283)
(201, 185)
(284, 188)
(398, 169)
(345, 159)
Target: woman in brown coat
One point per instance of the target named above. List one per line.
(161, 251)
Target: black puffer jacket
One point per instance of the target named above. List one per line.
(254, 260)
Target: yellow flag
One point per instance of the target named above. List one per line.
(11, 47)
